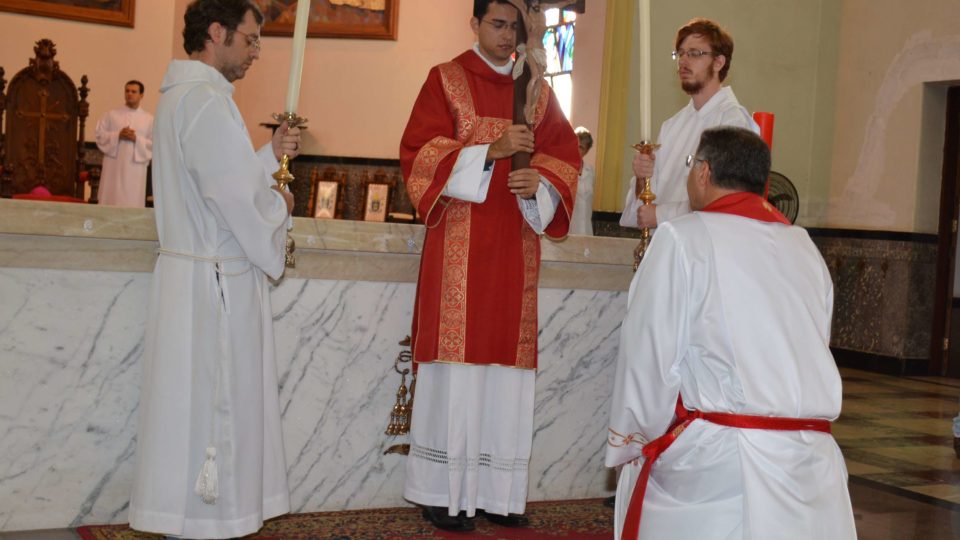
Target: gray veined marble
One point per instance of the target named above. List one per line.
(70, 345)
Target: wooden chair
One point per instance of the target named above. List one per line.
(42, 142)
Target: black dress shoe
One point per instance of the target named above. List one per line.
(610, 502)
(442, 520)
(509, 520)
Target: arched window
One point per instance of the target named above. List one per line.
(558, 41)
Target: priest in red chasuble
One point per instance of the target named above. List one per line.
(475, 318)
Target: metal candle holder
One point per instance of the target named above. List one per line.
(284, 177)
(646, 196)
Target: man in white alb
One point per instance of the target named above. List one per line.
(725, 385)
(125, 136)
(210, 460)
(703, 51)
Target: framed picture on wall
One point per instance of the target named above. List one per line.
(115, 12)
(375, 202)
(327, 197)
(358, 19)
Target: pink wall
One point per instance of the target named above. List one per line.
(108, 55)
(357, 94)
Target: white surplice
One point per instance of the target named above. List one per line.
(123, 179)
(734, 314)
(472, 425)
(679, 137)
(582, 220)
(210, 376)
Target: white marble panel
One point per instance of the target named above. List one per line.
(69, 374)
(70, 342)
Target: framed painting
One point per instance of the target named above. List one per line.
(327, 196)
(115, 12)
(375, 202)
(357, 19)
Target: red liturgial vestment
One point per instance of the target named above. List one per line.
(477, 289)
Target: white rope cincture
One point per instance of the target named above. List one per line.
(207, 485)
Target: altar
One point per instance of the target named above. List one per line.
(74, 283)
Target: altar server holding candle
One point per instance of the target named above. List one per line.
(210, 461)
(703, 52)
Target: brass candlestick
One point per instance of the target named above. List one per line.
(646, 196)
(284, 177)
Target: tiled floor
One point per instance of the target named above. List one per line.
(896, 433)
(896, 436)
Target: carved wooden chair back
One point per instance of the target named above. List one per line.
(41, 142)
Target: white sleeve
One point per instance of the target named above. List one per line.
(108, 138)
(665, 211)
(540, 210)
(231, 179)
(654, 338)
(470, 180)
(143, 148)
(669, 210)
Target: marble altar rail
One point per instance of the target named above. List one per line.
(73, 287)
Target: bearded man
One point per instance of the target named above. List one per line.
(703, 51)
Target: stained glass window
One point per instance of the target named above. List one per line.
(558, 42)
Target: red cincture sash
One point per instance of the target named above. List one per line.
(653, 449)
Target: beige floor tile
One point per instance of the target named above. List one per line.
(869, 388)
(947, 492)
(857, 468)
(842, 432)
(930, 426)
(944, 381)
(935, 457)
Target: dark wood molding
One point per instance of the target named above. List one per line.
(897, 236)
(122, 15)
(947, 237)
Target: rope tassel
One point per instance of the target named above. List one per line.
(207, 486)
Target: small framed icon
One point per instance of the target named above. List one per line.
(376, 200)
(326, 199)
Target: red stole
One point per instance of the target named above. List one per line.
(479, 271)
(749, 205)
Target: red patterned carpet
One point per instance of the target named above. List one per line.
(582, 520)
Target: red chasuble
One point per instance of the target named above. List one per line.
(477, 290)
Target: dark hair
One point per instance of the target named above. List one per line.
(136, 82)
(480, 7)
(738, 158)
(584, 137)
(201, 14)
(720, 41)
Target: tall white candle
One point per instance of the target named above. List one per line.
(296, 60)
(646, 107)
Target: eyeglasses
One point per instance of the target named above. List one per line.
(500, 24)
(690, 53)
(691, 159)
(253, 40)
